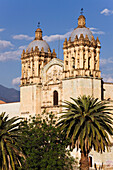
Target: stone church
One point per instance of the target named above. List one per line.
(47, 81)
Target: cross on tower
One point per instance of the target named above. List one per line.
(38, 25)
(81, 11)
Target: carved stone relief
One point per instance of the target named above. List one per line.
(54, 74)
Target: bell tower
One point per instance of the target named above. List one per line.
(37, 55)
(81, 52)
(81, 75)
(33, 60)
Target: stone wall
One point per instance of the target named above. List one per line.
(13, 109)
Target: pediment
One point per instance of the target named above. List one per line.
(52, 72)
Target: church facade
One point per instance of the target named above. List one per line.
(47, 81)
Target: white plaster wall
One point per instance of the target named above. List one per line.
(108, 91)
(13, 109)
(106, 158)
(28, 100)
(81, 86)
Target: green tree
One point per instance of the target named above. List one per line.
(10, 152)
(44, 145)
(87, 122)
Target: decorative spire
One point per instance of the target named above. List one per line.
(93, 40)
(38, 33)
(65, 42)
(38, 25)
(98, 42)
(81, 39)
(86, 40)
(81, 11)
(81, 20)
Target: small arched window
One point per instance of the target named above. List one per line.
(89, 62)
(90, 161)
(73, 62)
(55, 98)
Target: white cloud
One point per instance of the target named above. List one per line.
(96, 31)
(106, 61)
(16, 81)
(23, 47)
(103, 61)
(108, 78)
(5, 44)
(92, 28)
(22, 37)
(2, 29)
(106, 12)
(11, 55)
(47, 38)
(56, 37)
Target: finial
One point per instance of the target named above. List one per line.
(23, 51)
(81, 20)
(81, 11)
(38, 25)
(38, 33)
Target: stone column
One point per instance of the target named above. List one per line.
(65, 59)
(22, 69)
(92, 58)
(76, 58)
(86, 57)
(42, 65)
(81, 56)
(36, 66)
(69, 55)
(72, 59)
(97, 57)
(31, 67)
(26, 68)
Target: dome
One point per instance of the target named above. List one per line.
(81, 29)
(40, 44)
(38, 41)
(84, 31)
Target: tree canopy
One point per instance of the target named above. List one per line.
(10, 150)
(88, 123)
(44, 145)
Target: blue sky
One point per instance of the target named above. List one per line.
(18, 22)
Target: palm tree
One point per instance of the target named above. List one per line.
(10, 151)
(87, 123)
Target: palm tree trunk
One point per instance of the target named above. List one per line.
(84, 162)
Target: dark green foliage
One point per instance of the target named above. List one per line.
(10, 150)
(44, 145)
(88, 123)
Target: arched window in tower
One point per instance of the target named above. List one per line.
(55, 98)
(39, 69)
(78, 63)
(24, 73)
(90, 161)
(73, 62)
(84, 64)
(95, 65)
(89, 60)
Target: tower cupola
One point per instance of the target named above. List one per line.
(81, 22)
(38, 34)
(81, 52)
(36, 56)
